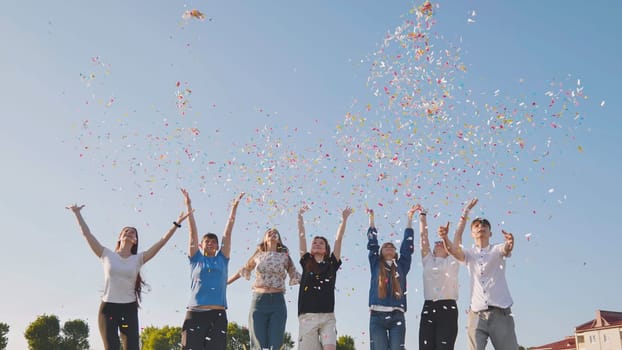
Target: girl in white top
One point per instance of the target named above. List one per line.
(438, 327)
(118, 312)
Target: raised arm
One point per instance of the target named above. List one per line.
(193, 241)
(96, 247)
(423, 231)
(155, 248)
(340, 232)
(245, 271)
(234, 277)
(372, 238)
(462, 223)
(453, 249)
(226, 236)
(302, 235)
(407, 248)
(509, 243)
(370, 212)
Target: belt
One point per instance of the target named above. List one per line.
(492, 308)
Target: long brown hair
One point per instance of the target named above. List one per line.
(138, 285)
(385, 273)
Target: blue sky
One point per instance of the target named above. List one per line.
(92, 114)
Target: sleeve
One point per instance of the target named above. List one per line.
(303, 259)
(195, 257)
(499, 251)
(141, 259)
(246, 270)
(467, 257)
(294, 275)
(425, 259)
(336, 262)
(105, 253)
(372, 244)
(407, 248)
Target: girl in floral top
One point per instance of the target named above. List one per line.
(268, 313)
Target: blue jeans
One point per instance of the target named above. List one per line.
(266, 321)
(387, 330)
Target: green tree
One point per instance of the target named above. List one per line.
(237, 337)
(165, 338)
(288, 342)
(345, 342)
(43, 333)
(75, 335)
(4, 339)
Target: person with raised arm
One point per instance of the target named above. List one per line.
(490, 313)
(387, 289)
(268, 312)
(205, 324)
(118, 311)
(316, 295)
(438, 326)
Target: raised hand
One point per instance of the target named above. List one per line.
(305, 208)
(186, 197)
(443, 230)
(75, 208)
(470, 204)
(415, 208)
(345, 213)
(183, 216)
(509, 241)
(370, 212)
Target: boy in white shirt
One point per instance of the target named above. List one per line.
(490, 315)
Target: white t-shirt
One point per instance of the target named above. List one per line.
(488, 284)
(120, 276)
(440, 277)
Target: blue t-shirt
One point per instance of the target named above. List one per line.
(208, 276)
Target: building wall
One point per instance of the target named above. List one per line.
(601, 339)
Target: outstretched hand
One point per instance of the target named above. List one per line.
(471, 204)
(183, 216)
(237, 199)
(415, 208)
(443, 231)
(509, 239)
(305, 208)
(346, 212)
(186, 196)
(75, 208)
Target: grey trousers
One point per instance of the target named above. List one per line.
(494, 323)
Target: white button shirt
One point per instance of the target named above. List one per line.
(488, 285)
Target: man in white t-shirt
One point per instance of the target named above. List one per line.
(490, 315)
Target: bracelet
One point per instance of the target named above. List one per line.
(176, 224)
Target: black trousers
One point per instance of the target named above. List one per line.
(203, 330)
(116, 318)
(438, 328)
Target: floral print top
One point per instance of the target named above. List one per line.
(271, 268)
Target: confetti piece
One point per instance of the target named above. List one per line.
(194, 13)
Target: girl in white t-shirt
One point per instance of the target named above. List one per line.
(118, 312)
(438, 326)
